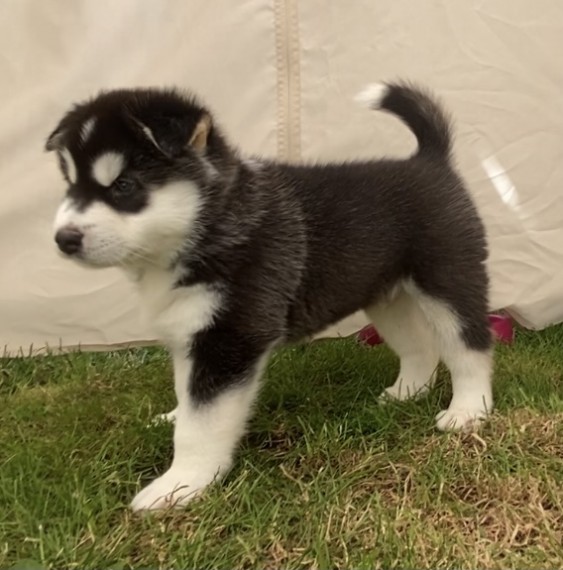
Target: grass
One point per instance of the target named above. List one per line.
(326, 478)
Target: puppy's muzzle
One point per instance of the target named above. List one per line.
(69, 240)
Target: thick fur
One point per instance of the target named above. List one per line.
(233, 257)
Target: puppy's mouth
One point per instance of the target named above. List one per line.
(70, 245)
(78, 257)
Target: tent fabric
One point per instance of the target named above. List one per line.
(280, 75)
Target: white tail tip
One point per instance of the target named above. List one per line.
(372, 95)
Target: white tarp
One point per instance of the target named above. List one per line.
(280, 75)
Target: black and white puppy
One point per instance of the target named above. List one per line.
(233, 257)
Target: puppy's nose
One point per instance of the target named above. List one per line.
(69, 240)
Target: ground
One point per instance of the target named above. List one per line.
(326, 478)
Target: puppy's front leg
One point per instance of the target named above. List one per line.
(214, 402)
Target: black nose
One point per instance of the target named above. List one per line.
(69, 240)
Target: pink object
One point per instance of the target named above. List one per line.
(502, 328)
(501, 325)
(368, 335)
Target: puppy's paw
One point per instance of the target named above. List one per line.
(168, 418)
(173, 489)
(460, 419)
(401, 391)
(409, 385)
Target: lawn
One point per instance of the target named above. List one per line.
(326, 478)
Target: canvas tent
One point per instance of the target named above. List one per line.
(281, 75)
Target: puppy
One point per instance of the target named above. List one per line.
(234, 257)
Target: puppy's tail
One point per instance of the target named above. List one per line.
(418, 110)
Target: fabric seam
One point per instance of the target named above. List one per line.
(288, 80)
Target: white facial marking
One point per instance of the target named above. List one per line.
(87, 129)
(64, 215)
(149, 135)
(152, 236)
(104, 242)
(107, 167)
(70, 166)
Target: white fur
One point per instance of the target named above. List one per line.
(205, 436)
(205, 439)
(254, 163)
(168, 418)
(87, 129)
(150, 237)
(175, 313)
(472, 399)
(64, 215)
(107, 167)
(471, 370)
(148, 133)
(372, 95)
(404, 327)
(70, 165)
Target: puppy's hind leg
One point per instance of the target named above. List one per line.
(465, 342)
(404, 328)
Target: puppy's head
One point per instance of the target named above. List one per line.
(135, 163)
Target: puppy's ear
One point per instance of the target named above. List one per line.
(55, 140)
(172, 135)
(201, 132)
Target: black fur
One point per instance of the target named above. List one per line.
(293, 249)
(424, 116)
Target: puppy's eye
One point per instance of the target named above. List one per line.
(122, 187)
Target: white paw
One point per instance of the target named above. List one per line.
(173, 489)
(460, 419)
(168, 418)
(406, 390)
(401, 392)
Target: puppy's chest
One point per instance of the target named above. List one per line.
(175, 314)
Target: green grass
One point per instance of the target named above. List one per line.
(326, 477)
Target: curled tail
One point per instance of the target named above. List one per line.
(418, 110)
